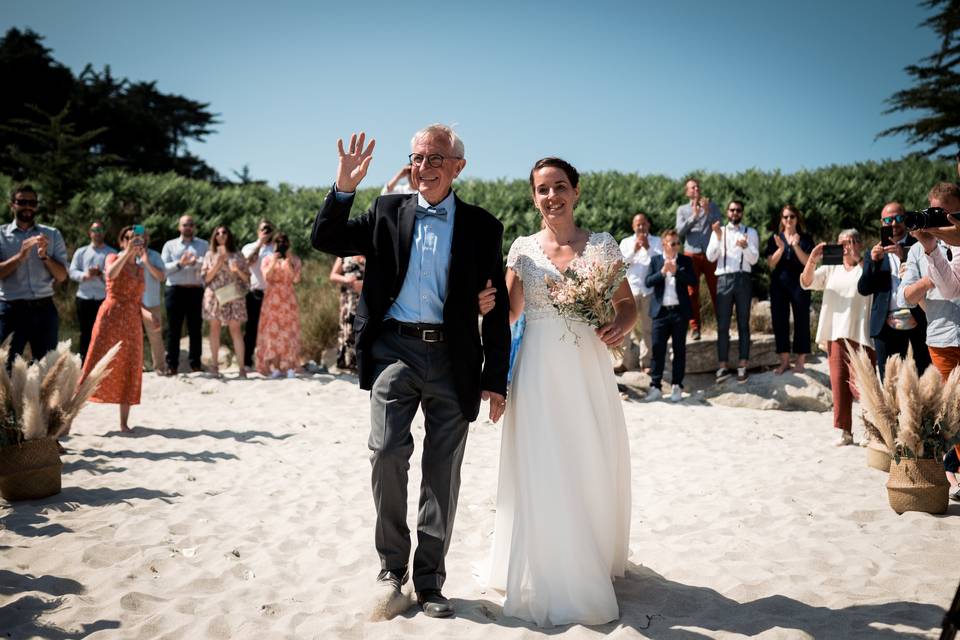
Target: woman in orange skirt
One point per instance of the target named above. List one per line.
(119, 321)
(278, 336)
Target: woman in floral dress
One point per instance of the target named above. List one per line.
(227, 278)
(348, 273)
(119, 321)
(278, 336)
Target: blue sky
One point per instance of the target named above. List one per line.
(647, 87)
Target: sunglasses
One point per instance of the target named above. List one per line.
(735, 210)
(673, 244)
(790, 217)
(892, 219)
(23, 202)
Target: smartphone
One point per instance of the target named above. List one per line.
(138, 230)
(833, 254)
(886, 236)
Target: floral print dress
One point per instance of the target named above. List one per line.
(278, 336)
(235, 310)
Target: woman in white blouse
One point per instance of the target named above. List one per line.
(844, 322)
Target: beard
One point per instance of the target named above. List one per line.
(26, 215)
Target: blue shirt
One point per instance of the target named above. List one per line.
(83, 258)
(171, 253)
(943, 316)
(31, 280)
(151, 288)
(424, 288)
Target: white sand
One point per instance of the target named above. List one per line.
(242, 509)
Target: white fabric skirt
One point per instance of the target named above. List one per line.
(563, 502)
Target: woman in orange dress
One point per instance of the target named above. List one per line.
(278, 336)
(119, 321)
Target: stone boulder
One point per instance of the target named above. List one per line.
(702, 354)
(786, 392)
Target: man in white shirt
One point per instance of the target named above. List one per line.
(735, 248)
(183, 298)
(255, 252)
(637, 250)
(87, 268)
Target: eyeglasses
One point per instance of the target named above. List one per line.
(735, 210)
(892, 219)
(24, 202)
(673, 244)
(435, 160)
(790, 217)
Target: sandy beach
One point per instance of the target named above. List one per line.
(242, 509)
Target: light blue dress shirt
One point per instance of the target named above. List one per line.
(151, 286)
(31, 280)
(424, 288)
(183, 276)
(83, 259)
(943, 316)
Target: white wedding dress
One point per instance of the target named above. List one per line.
(563, 503)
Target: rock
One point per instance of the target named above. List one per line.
(702, 354)
(787, 392)
(328, 359)
(635, 380)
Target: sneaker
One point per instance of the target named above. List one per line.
(676, 393)
(276, 374)
(722, 374)
(742, 374)
(696, 334)
(654, 394)
(846, 439)
(291, 373)
(955, 493)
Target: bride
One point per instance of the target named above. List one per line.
(563, 503)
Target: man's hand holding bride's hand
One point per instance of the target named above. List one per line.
(611, 334)
(487, 298)
(497, 404)
(353, 163)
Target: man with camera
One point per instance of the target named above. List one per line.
(919, 284)
(893, 327)
(255, 253)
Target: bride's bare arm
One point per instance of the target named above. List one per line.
(613, 333)
(515, 294)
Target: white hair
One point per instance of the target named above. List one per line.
(440, 130)
(853, 234)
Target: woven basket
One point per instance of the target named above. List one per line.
(918, 485)
(30, 470)
(878, 457)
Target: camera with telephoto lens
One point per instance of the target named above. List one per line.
(929, 218)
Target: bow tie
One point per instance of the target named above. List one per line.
(440, 212)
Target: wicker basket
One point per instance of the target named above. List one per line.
(878, 457)
(918, 485)
(30, 470)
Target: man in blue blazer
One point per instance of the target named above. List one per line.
(892, 328)
(670, 275)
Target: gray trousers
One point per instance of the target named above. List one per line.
(410, 373)
(733, 290)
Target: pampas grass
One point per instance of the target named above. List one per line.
(882, 420)
(950, 411)
(910, 418)
(41, 400)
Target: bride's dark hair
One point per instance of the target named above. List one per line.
(572, 174)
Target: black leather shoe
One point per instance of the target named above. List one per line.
(393, 578)
(433, 603)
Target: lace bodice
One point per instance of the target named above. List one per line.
(531, 264)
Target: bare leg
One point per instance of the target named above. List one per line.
(215, 346)
(238, 348)
(784, 363)
(124, 415)
(801, 361)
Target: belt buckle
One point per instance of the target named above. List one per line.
(426, 333)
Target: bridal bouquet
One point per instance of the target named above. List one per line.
(585, 289)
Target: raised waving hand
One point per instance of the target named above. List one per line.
(354, 162)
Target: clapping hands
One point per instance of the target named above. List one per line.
(353, 162)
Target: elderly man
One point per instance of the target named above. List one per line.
(418, 344)
(182, 258)
(694, 221)
(637, 251)
(87, 268)
(735, 248)
(893, 327)
(33, 257)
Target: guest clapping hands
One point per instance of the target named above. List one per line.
(227, 277)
